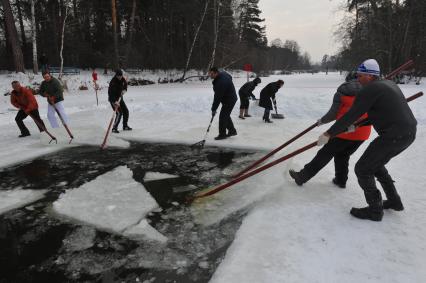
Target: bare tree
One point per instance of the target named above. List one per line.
(114, 30)
(62, 39)
(12, 33)
(195, 39)
(34, 37)
(131, 31)
(216, 21)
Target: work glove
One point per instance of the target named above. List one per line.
(213, 113)
(319, 122)
(52, 99)
(323, 139)
(351, 129)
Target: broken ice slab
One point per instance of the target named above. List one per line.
(155, 176)
(113, 201)
(144, 231)
(11, 199)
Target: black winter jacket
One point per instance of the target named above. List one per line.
(387, 111)
(246, 91)
(267, 93)
(224, 91)
(115, 89)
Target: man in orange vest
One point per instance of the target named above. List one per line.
(341, 147)
(23, 99)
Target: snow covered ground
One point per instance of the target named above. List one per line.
(291, 234)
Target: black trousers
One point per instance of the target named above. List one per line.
(244, 102)
(225, 121)
(122, 111)
(20, 117)
(266, 114)
(372, 164)
(338, 148)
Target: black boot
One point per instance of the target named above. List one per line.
(374, 213)
(296, 176)
(394, 204)
(221, 137)
(126, 128)
(338, 183)
(25, 134)
(115, 130)
(266, 120)
(232, 133)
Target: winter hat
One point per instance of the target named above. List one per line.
(369, 67)
(118, 72)
(257, 81)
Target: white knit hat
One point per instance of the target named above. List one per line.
(369, 67)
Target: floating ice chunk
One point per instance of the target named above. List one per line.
(145, 231)
(113, 201)
(12, 199)
(155, 176)
(80, 239)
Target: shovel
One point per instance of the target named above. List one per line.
(199, 145)
(276, 115)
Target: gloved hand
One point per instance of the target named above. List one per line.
(319, 122)
(351, 129)
(52, 99)
(323, 139)
(213, 113)
(117, 103)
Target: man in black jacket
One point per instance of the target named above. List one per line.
(245, 93)
(224, 92)
(266, 94)
(117, 88)
(393, 120)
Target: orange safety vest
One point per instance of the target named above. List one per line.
(361, 133)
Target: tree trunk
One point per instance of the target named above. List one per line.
(18, 58)
(114, 30)
(195, 39)
(131, 31)
(34, 37)
(216, 5)
(62, 41)
(21, 27)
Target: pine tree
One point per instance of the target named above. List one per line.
(250, 30)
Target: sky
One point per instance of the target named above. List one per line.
(309, 22)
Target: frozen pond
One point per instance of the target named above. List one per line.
(38, 245)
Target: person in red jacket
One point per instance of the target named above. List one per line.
(23, 99)
(343, 145)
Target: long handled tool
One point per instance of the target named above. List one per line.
(52, 137)
(103, 145)
(201, 143)
(96, 92)
(276, 115)
(63, 123)
(257, 162)
(279, 160)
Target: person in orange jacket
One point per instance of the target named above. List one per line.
(23, 99)
(343, 145)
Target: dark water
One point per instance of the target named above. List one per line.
(38, 247)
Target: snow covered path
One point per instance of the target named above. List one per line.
(290, 234)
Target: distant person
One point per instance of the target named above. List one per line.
(117, 88)
(245, 93)
(95, 78)
(51, 88)
(343, 145)
(44, 63)
(391, 117)
(23, 99)
(267, 97)
(224, 93)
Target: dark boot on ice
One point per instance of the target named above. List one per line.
(394, 204)
(232, 133)
(25, 134)
(115, 130)
(339, 183)
(126, 128)
(267, 120)
(297, 176)
(221, 137)
(374, 213)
